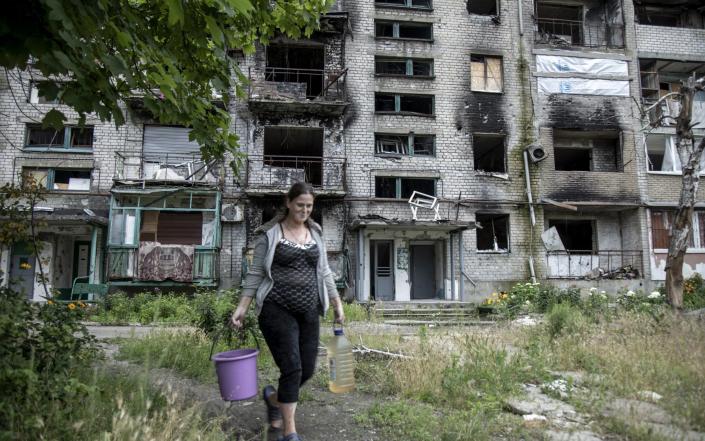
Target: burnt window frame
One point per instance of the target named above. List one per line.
(590, 135)
(65, 145)
(409, 146)
(503, 138)
(409, 62)
(36, 98)
(485, 76)
(408, 4)
(396, 24)
(496, 13)
(645, 10)
(595, 248)
(398, 185)
(50, 179)
(397, 104)
(495, 250)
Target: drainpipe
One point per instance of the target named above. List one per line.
(531, 207)
(462, 265)
(452, 270)
(94, 253)
(360, 265)
(521, 17)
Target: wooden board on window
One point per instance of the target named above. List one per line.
(180, 228)
(148, 229)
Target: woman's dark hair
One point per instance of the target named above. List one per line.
(298, 189)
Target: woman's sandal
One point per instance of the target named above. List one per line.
(273, 413)
(290, 437)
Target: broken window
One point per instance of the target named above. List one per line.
(423, 145)
(398, 145)
(416, 104)
(295, 153)
(417, 4)
(593, 24)
(409, 67)
(402, 188)
(577, 235)
(485, 73)
(391, 144)
(662, 77)
(559, 24)
(297, 64)
(494, 234)
(74, 138)
(403, 30)
(663, 156)
(489, 153)
(587, 151)
(685, 15)
(59, 179)
(483, 7)
(34, 94)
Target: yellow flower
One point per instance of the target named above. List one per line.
(50, 302)
(72, 306)
(25, 266)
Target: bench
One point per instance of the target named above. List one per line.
(87, 292)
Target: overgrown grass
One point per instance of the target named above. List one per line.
(120, 405)
(186, 351)
(469, 374)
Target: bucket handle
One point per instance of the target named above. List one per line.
(218, 335)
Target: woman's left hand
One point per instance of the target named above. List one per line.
(339, 314)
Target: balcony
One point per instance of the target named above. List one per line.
(587, 264)
(290, 90)
(170, 169)
(274, 174)
(122, 267)
(566, 33)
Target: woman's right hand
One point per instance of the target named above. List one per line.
(238, 318)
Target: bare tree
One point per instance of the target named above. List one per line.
(689, 154)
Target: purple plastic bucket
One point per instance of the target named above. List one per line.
(237, 373)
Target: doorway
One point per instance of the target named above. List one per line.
(81, 256)
(423, 271)
(382, 264)
(22, 269)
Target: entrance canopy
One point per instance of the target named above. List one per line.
(408, 225)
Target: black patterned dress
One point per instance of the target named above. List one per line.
(294, 272)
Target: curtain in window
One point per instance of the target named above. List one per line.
(671, 161)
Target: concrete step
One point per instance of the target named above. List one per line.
(408, 322)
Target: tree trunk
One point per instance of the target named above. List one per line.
(681, 229)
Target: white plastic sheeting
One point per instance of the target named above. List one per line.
(581, 86)
(593, 66)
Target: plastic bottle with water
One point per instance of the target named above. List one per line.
(341, 363)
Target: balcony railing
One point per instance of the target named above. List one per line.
(122, 264)
(284, 84)
(604, 264)
(278, 172)
(559, 32)
(174, 168)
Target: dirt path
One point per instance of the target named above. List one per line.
(321, 416)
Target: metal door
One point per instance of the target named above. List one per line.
(423, 272)
(22, 273)
(383, 269)
(82, 252)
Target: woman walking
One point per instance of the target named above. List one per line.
(292, 285)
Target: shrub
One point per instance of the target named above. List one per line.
(564, 318)
(43, 346)
(694, 292)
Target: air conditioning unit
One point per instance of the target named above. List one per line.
(231, 213)
(536, 153)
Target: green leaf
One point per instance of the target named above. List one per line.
(54, 119)
(176, 12)
(242, 6)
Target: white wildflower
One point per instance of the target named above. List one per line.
(527, 303)
(603, 292)
(630, 293)
(654, 295)
(593, 290)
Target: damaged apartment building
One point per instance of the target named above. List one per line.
(455, 148)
